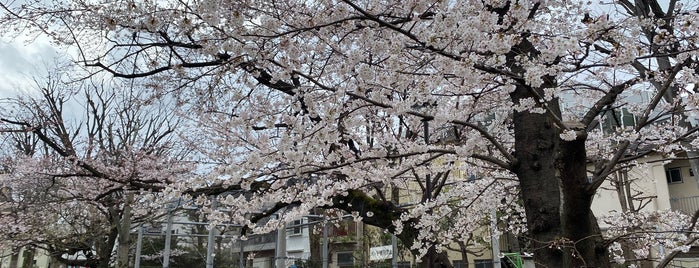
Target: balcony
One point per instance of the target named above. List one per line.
(688, 205)
(343, 232)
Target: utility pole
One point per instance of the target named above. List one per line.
(242, 253)
(168, 239)
(210, 240)
(495, 240)
(395, 199)
(324, 253)
(124, 230)
(394, 249)
(281, 247)
(139, 244)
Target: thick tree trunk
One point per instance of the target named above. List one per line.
(384, 215)
(579, 223)
(535, 150)
(429, 260)
(125, 234)
(104, 248)
(553, 180)
(435, 260)
(552, 174)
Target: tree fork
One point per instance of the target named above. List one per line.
(384, 213)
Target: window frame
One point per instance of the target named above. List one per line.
(483, 263)
(672, 179)
(345, 264)
(296, 228)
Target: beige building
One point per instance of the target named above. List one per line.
(656, 184)
(647, 181)
(39, 259)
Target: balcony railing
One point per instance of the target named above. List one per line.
(688, 205)
(344, 232)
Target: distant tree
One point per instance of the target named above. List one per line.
(80, 162)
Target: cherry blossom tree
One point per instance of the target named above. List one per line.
(83, 161)
(459, 107)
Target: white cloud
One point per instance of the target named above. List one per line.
(22, 61)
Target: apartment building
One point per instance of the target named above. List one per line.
(656, 184)
(20, 259)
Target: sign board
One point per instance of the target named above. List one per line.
(381, 253)
(152, 229)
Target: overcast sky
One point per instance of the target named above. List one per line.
(21, 61)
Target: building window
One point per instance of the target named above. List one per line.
(615, 118)
(483, 263)
(295, 228)
(343, 228)
(345, 259)
(673, 175)
(459, 264)
(403, 264)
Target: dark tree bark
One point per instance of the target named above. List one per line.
(553, 180)
(104, 251)
(580, 224)
(535, 149)
(384, 215)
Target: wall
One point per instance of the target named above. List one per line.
(688, 187)
(648, 178)
(40, 257)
